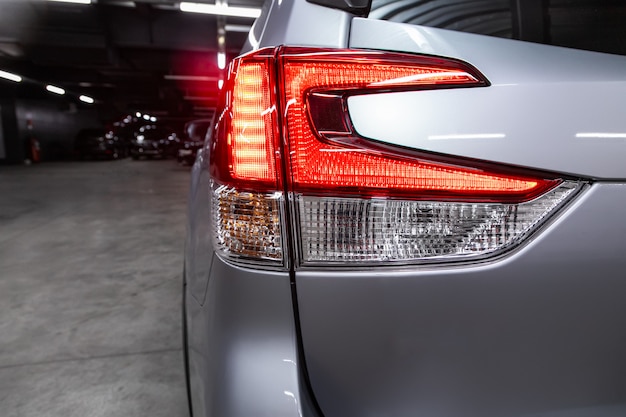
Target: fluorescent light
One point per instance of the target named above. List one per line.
(189, 78)
(146, 117)
(221, 10)
(9, 76)
(153, 119)
(601, 135)
(137, 114)
(86, 99)
(221, 60)
(73, 1)
(54, 89)
(238, 28)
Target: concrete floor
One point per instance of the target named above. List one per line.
(91, 256)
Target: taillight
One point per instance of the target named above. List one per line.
(286, 128)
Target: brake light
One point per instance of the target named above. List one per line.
(356, 200)
(247, 139)
(332, 156)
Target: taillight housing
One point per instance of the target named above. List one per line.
(285, 156)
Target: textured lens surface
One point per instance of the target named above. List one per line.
(377, 230)
(247, 224)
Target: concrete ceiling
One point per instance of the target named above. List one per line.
(144, 55)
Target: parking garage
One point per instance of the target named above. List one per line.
(101, 108)
(92, 234)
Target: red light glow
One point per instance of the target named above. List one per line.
(317, 165)
(251, 138)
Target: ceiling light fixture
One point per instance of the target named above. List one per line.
(54, 89)
(73, 1)
(221, 10)
(221, 60)
(238, 28)
(10, 76)
(86, 99)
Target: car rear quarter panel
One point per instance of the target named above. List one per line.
(537, 331)
(548, 108)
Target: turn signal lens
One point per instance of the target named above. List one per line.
(248, 223)
(247, 202)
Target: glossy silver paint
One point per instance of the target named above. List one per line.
(243, 345)
(549, 108)
(288, 22)
(538, 332)
(240, 326)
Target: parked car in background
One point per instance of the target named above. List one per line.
(195, 133)
(154, 141)
(398, 219)
(98, 144)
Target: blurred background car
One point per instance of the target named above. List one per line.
(154, 141)
(195, 134)
(99, 143)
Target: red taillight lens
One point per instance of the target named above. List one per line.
(247, 139)
(356, 199)
(326, 154)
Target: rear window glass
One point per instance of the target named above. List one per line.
(596, 25)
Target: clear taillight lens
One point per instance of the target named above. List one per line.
(284, 130)
(354, 230)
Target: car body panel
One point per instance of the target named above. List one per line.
(573, 103)
(298, 23)
(509, 337)
(243, 339)
(193, 140)
(241, 334)
(537, 331)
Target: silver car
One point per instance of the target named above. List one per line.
(396, 220)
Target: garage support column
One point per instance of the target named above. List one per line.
(530, 20)
(12, 145)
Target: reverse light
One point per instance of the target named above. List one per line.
(355, 200)
(380, 230)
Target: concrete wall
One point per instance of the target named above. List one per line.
(54, 123)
